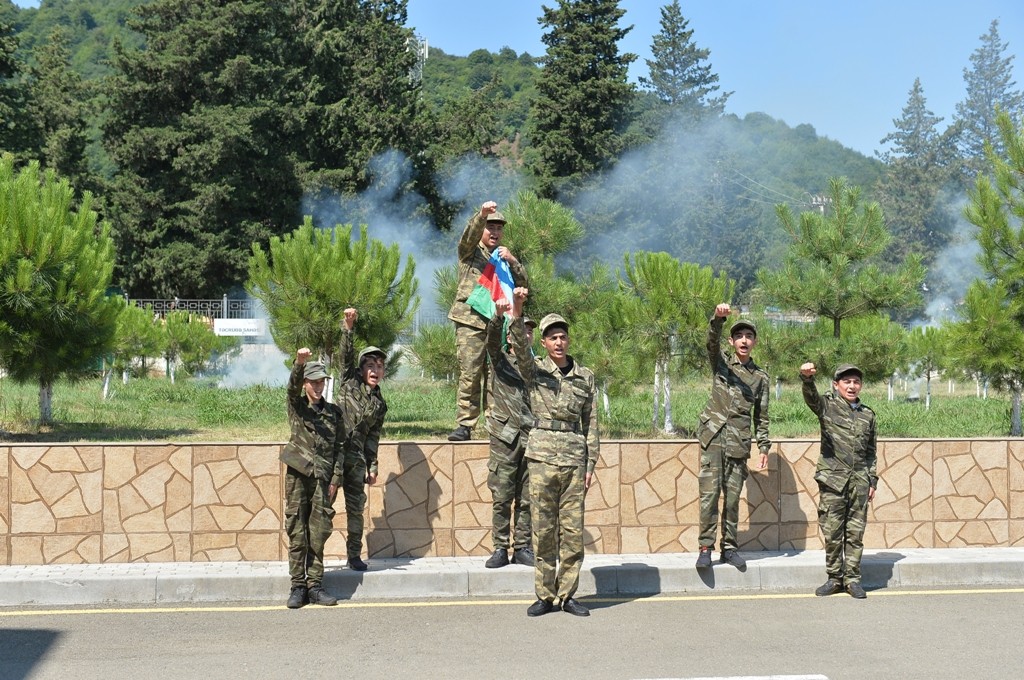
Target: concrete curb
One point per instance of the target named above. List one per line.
(449, 578)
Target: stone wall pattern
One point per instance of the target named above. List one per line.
(167, 502)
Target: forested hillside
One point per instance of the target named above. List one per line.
(215, 125)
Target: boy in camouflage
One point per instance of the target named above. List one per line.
(845, 474)
(508, 423)
(739, 395)
(481, 237)
(562, 451)
(313, 458)
(364, 408)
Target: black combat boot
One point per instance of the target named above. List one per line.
(318, 595)
(299, 597)
(499, 558)
(460, 434)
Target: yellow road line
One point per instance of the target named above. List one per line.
(491, 603)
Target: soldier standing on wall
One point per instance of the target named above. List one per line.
(481, 237)
(739, 395)
(845, 474)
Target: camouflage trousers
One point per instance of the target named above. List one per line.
(353, 485)
(508, 479)
(556, 508)
(720, 475)
(842, 516)
(471, 351)
(308, 521)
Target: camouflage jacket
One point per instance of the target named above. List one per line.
(318, 433)
(473, 258)
(508, 400)
(363, 407)
(848, 439)
(565, 420)
(739, 395)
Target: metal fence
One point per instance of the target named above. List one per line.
(224, 308)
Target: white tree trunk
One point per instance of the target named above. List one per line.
(778, 388)
(45, 403)
(657, 396)
(928, 391)
(106, 381)
(666, 381)
(952, 387)
(984, 389)
(124, 377)
(1015, 424)
(892, 388)
(604, 400)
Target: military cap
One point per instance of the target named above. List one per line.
(496, 217)
(552, 320)
(740, 325)
(847, 368)
(529, 323)
(372, 351)
(314, 370)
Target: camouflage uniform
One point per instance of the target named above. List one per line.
(845, 472)
(364, 410)
(470, 327)
(739, 393)
(508, 423)
(313, 457)
(563, 446)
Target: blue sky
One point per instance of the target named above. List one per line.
(846, 68)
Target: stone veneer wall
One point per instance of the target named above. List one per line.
(223, 502)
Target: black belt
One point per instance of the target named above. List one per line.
(557, 425)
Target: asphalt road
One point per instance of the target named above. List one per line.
(892, 634)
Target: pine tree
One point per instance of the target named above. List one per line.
(679, 74)
(831, 269)
(308, 278)
(583, 100)
(920, 164)
(202, 126)
(667, 313)
(15, 131)
(360, 99)
(56, 263)
(990, 86)
(59, 107)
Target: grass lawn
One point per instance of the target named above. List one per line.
(199, 411)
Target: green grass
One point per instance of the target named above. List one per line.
(197, 410)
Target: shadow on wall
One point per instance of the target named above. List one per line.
(23, 649)
(406, 526)
(776, 520)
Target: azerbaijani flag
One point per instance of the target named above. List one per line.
(495, 283)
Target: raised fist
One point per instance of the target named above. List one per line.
(302, 355)
(351, 315)
(808, 369)
(723, 310)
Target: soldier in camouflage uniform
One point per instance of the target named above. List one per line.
(482, 235)
(845, 474)
(739, 395)
(313, 457)
(562, 451)
(364, 409)
(508, 423)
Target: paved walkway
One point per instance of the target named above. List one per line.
(463, 577)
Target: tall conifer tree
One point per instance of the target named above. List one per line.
(583, 101)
